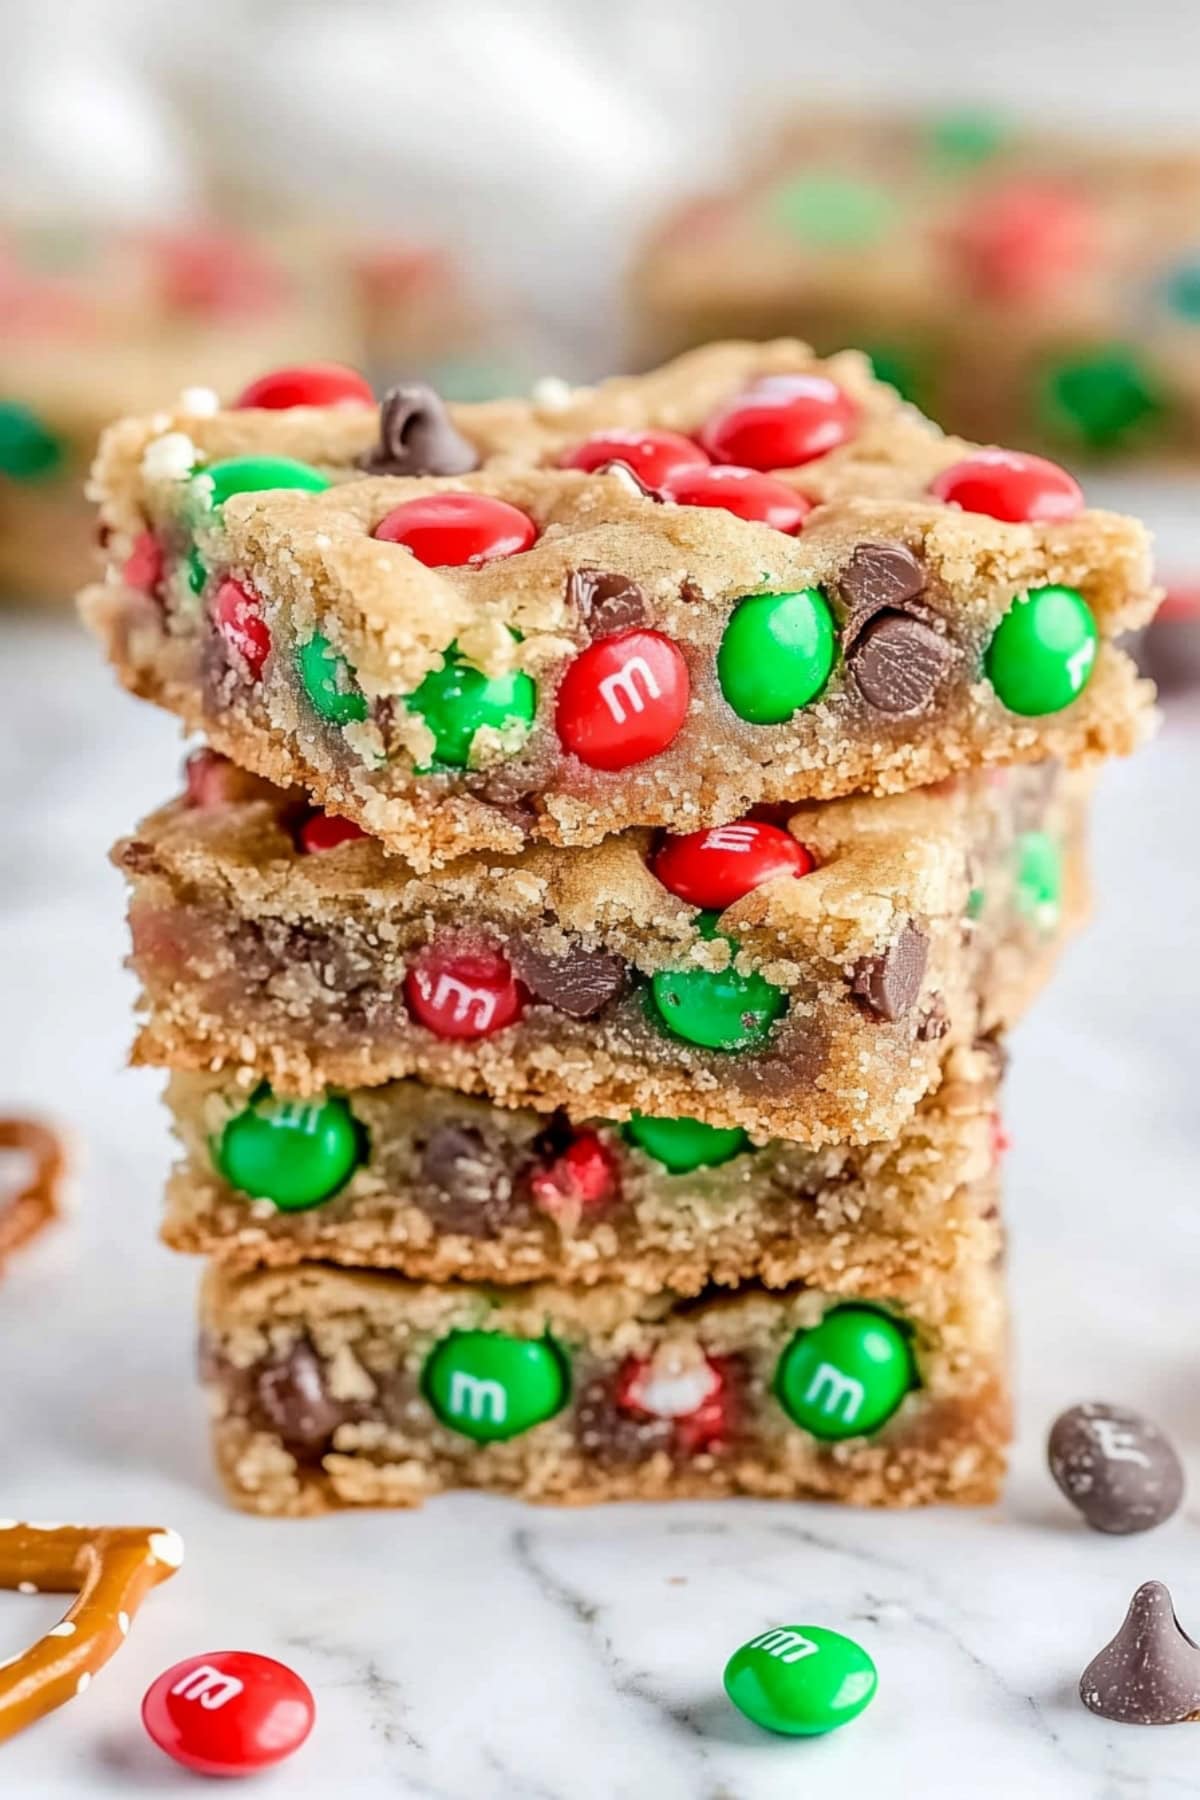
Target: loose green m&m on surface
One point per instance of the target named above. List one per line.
(1039, 877)
(253, 474)
(28, 449)
(490, 1385)
(456, 700)
(1043, 651)
(800, 1680)
(776, 655)
(724, 1011)
(1101, 399)
(329, 682)
(835, 212)
(846, 1376)
(683, 1144)
(294, 1152)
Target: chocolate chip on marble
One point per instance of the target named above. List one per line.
(417, 437)
(897, 661)
(889, 985)
(1150, 1673)
(580, 984)
(293, 1397)
(1116, 1467)
(879, 577)
(470, 1186)
(606, 602)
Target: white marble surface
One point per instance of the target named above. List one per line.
(479, 1651)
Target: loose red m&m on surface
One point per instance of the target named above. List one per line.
(744, 492)
(780, 422)
(307, 384)
(230, 1712)
(623, 700)
(237, 615)
(452, 531)
(463, 993)
(1009, 485)
(714, 868)
(654, 456)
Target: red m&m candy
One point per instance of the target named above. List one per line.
(1009, 485)
(228, 1713)
(450, 531)
(781, 422)
(325, 831)
(742, 491)
(654, 456)
(307, 384)
(463, 993)
(583, 1178)
(237, 614)
(676, 1383)
(1022, 239)
(714, 868)
(624, 699)
(211, 779)
(145, 564)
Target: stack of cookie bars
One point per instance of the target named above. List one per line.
(632, 819)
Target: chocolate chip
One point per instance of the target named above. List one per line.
(897, 662)
(417, 437)
(1116, 1467)
(628, 477)
(609, 1435)
(879, 577)
(470, 1186)
(890, 984)
(580, 984)
(1150, 1673)
(606, 602)
(294, 1399)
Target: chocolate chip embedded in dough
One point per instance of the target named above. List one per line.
(1150, 1673)
(606, 602)
(897, 662)
(470, 1186)
(879, 577)
(889, 985)
(580, 984)
(1116, 1467)
(293, 1397)
(417, 437)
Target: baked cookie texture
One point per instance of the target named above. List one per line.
(1023, 286)
(615, 653)
(444, 1187)
(332, 1388)
(816, 1008)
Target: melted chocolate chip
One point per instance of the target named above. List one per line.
(610, 1435)
(417, 437)
(470, 1186)
(293, 1398)
(580, 984)
(1150, 1673)
(879, 577)
(889, 985)
(897, 662)
(1116, 1467)
(606, 602)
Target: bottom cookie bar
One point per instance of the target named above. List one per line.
(332, 1388)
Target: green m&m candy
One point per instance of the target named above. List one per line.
(294, 1152)
(456, 700)
(683, 1144)
(724, 1011)
(490, 1385)
(846, 1376)
(776, 655)
(1101, 399)
(1181, 291)
(28, 449)
(254, 474)
(1043, 651)
(965, 138)
(835, 212)
(197, 574)
(1039, 878)
(329, 682)
(800, 1680)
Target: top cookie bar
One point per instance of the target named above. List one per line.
(466, 629)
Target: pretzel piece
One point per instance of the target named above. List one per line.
(110, 1569)
(37, 1199)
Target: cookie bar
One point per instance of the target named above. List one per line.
(799, 979)
(1024, 287)
(438, 1187)
(539, 650)
(334, 1388)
